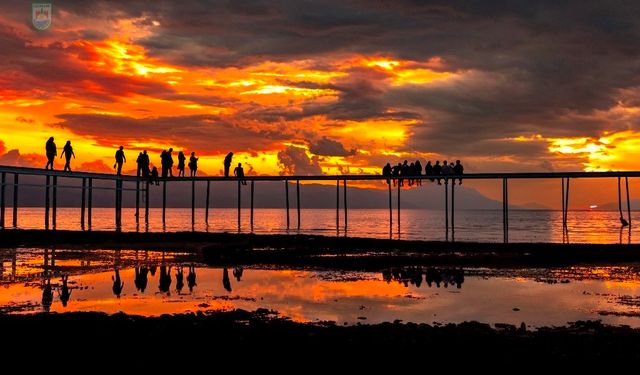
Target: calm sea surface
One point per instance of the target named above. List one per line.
(152, 283)
(470, 225)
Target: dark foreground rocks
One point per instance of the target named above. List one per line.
(262, 339)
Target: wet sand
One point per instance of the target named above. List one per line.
(204, 340)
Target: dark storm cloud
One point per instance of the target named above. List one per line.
(206, 134)
(329, 147)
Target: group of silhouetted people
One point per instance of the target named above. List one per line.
(413, 172)
(144, 168)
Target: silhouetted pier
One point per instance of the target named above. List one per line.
(140, 187)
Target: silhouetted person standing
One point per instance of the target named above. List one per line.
(139, 164)
(227, 163)
(64, 292)
(118, 284)
(226, 283)
(67, 152)
(145, 164)
(417, 170)
(167, 163)
(193, 165)
(239, 173)
(120, 158)
(191, 278)
(181, 165)
(51, 151)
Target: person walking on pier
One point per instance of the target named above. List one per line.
(67, 152)
(51, 152)
(181, 159)
(120, 158)
(239, 173)
(227, 163)
(458, 169)
(193, 165)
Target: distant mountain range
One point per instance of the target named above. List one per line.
(267, 195)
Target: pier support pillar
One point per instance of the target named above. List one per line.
(239, 203)
(337, 205)
(164, 202)
(626, 182)
(46, 202)
(3, 184)
(390, 208)
(138, 200)
(252, 188)
(90, 203)
(83, 197)
(54, 212)
(16, 179)
(286, 193)
(344, 186)
(206, 204)
(298, 201)
(193, 202)
(146, 203)
(446, 209)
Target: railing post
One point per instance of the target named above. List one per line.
(15, 199)
(344, 182)
(137, 199)
(3, 184)
(46, 202)
(286, 193)
(626, 181)
(54, 212)
(82, 204)
(164, 201)
(239, 203)
(252, 185)
(90, 203)
(206, 207)
(298, 200)
(193, 202)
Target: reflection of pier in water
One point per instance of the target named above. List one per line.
(84, 182)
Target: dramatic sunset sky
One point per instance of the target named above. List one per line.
(311, 87)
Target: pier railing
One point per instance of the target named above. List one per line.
(142, 184)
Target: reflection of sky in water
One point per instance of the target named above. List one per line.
(535, 296)
(471, 225)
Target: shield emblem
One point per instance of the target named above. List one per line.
(41, 16)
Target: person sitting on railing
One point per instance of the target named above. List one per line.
(446, 171)
(67, 152)
(428, 170)
(395, 171)
(120, 158)
(154, 176)
(437, 170)
(417, 169)
(51, 151)
(239, 173)
(193, 164)
(386, 172)
(458, 169)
